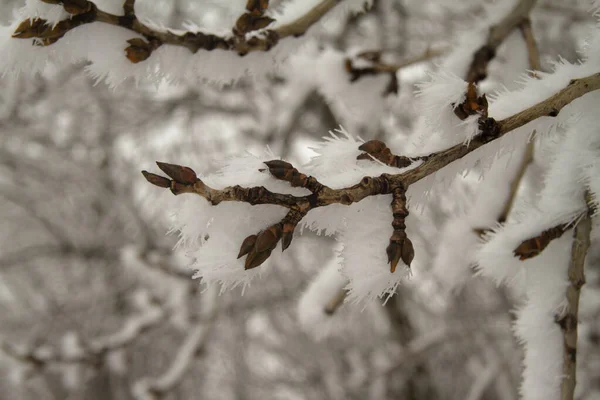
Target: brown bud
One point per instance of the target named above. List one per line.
(373, 146)
(393, 252)
(408, 252)
(529, 248)
(280, 173)
(286, 240)
(400, 249)
(180, 174)
(77, 7)
(247, 245)
(157, 180)
(279, 164)
(267, 239)
(178, 188)
(287, 236)
(255, 259)
(30, 28)
(139, 50)
(258, 6)
(249, 22)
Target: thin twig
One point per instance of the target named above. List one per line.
(526, 160)
(532, 48)
(568, 322)
(478, 68)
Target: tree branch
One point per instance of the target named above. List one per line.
(253, 20)
(486, 53)
(532, 49)
(568, 322)
(377, 66)
(259, 247)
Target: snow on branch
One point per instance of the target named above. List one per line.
(253, 20)
(143, 49)
(258, 247)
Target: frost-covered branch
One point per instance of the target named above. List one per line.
(497, 34)
(253, 20)
(258, 247)
(568, 322)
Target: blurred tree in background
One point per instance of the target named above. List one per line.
(96, 302)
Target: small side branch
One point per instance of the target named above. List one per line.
(377, 66)
(400, 246)
(568, 322)
(532, 48)
(498, 33)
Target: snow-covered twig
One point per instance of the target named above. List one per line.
(568, 322)
(258, 247)
(253, 20)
